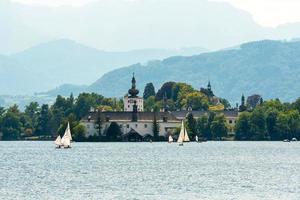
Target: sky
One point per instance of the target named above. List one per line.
(268, 13)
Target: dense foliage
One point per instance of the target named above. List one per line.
(272, 120)
(44, 121)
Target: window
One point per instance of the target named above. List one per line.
(145, 125)
(127, 126)
(230, 121)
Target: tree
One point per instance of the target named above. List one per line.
(113, 133)
(155, 128)
(202, 127)
(218, 127)
(197, 101)
(258, 124)
(149, 91)
(191, 125)
(226, 103)
(271, 120)
(79, 133)
(31, 115)
(44, 119)
(150, 104)
(282, 126)
(242, 127)
(11, 125)
(166, 89)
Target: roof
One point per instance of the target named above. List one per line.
(127, 116)
(183, 113)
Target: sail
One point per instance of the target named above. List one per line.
(68, 132)
(181, 135)
(197, 139)
(58, 140)
(66, 142)
(66, 139)
(186, 136)
(170, 139)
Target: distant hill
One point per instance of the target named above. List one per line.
(48, 65)
(269, 68)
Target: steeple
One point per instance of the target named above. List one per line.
(209, 86)
(133, 92)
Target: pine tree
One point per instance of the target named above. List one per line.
(155, 128)
(149, 91)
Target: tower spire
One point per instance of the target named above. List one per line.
(133, 92)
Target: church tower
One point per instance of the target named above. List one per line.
(132, 100)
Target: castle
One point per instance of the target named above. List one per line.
(137, 125)
(134, 123)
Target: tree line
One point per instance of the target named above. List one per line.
(271, 120)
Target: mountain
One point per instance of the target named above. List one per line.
(269, 68)
(48, 65)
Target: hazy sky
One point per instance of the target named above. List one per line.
(265, 12)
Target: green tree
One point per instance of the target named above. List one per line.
(113, 133)
(196, 100)
(202, 126)
(149, 91)
(218, 127)
(44, 119)
(31, 116)
(155, 128)
(242, 127)
(271, 120)
(11, 125)
(79, 133)
(282, 126)
(258, 124)
(191, 126)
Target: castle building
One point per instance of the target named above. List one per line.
(132, 98)
(134, 123)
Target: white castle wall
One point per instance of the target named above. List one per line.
(142, 127)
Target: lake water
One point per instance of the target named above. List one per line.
(212, 170)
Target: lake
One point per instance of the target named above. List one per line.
(212, 170)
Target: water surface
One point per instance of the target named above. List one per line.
(212, 170)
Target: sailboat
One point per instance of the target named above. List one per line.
(58, 142)
(67, 138)
(196, 139)
(170, 139)
(183, 136)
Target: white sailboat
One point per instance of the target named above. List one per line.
(67, 138)
(170, 139)
(183, 136)
(196, 139)
(58, 142)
